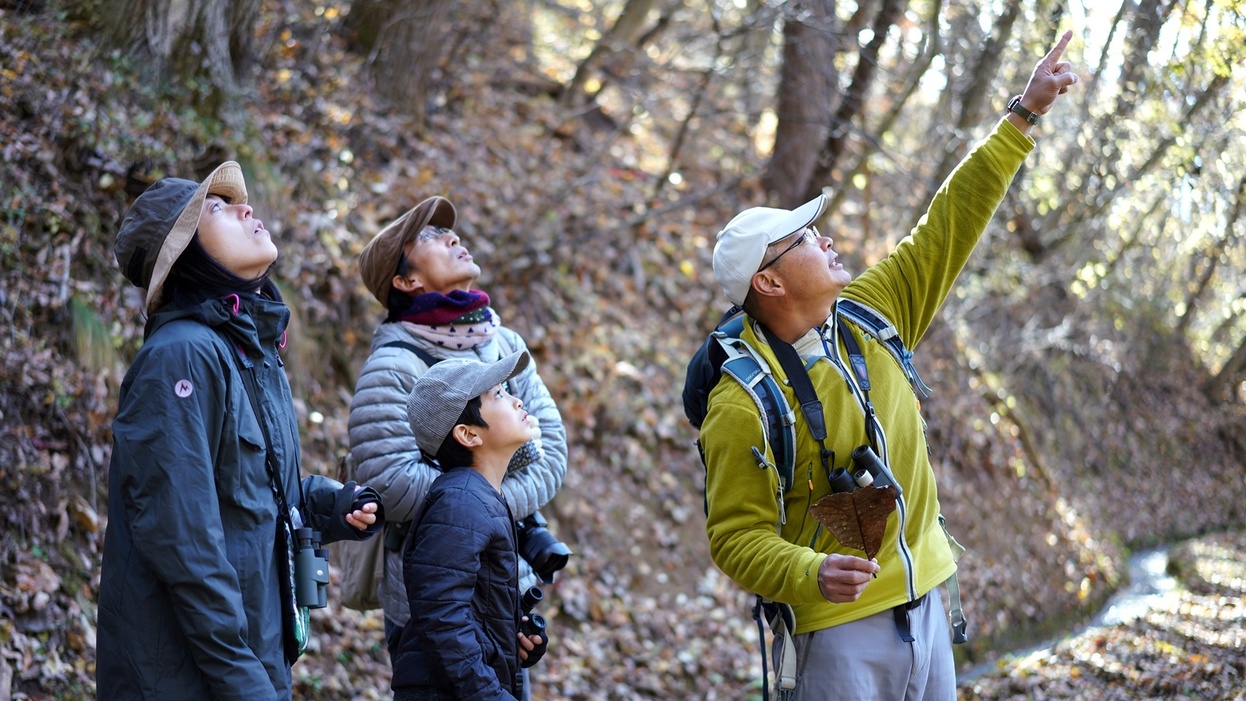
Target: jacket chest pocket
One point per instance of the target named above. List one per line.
(243, 470)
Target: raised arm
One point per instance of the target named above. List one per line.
(911, 284)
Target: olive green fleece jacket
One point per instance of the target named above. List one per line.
(781, 562)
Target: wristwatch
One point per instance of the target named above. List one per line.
(1014, 106)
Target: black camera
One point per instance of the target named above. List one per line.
(311, 570)
(545, 553)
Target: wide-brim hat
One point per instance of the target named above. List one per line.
(742, 244)
(442, 393)
(161, 223)
(379, 261)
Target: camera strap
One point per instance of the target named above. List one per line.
(295, 621)
(270, 460)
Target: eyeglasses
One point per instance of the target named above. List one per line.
(432, 233)
(810, 234)
(428, 233)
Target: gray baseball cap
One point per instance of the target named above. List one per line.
(441, 394)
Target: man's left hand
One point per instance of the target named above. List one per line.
(1050, 79)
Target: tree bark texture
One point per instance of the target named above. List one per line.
(850, 107)
(806, 88)
(182, 40)
(407, 40)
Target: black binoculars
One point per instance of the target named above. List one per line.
(311, 570)
(535, 625)
(867, 470)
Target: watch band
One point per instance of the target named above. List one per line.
(1015, 106)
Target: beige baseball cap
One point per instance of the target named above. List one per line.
(161, 223)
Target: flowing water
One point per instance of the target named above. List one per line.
(1149, 583)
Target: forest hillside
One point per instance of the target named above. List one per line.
(1089, 370)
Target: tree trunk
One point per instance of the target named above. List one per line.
(976, 93)
(1211, 261)
(806, 89)
(1217, 388)
(210, 42)
(1148, 20)
(932, 45)
(850, 106)
(751, 55)
(406, 40)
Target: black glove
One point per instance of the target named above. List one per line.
(345, 501)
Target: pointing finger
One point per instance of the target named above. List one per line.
(1058, 50)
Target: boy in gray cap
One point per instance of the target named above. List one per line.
(461, 562)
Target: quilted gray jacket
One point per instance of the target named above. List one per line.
(387, 459)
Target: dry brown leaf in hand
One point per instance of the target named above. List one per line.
(858, 520)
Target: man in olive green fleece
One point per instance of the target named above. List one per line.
(852, 615)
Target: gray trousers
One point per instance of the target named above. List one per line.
(867, 660)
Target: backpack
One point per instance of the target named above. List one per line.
(361, 564)
(724, 352)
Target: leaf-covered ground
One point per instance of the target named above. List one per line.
(1049, 463)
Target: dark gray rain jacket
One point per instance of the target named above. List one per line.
(190, 597)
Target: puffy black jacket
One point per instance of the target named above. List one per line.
(461, 571)
(190, 598)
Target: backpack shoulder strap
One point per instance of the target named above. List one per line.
(883, 331)
(751, 372)
(420, 353)
(504, 345)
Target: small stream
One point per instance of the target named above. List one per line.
(1149, 583)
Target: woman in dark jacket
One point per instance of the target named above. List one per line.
(196, 596)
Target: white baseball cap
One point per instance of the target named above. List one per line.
(742, 244)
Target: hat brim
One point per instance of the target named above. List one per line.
(227, 181)
(390, 243)
(800, 218)
(496, 373)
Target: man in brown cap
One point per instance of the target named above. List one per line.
(419, 270)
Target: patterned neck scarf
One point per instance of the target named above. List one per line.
(459, 320)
